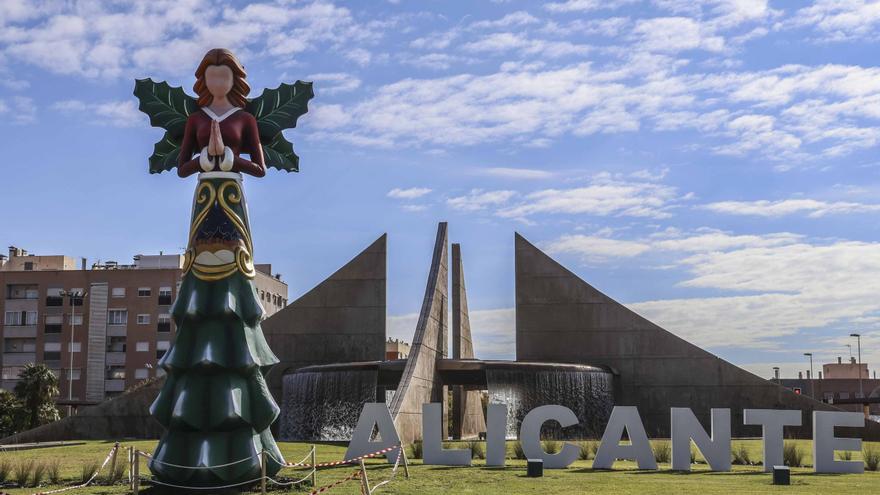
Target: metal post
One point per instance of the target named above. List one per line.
(812, 377)
(314, 469)
(113, 462)
(263, 472)
(136, 479)
(405, 461)
(131, 467)
(365, 485)
(859, 343)
(70, 353)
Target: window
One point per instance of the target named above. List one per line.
(116, 373)
(141, 374)
(143, 319)
(74, 347)
(142, 347)
(164, 296)
(28, 266)
(115, 344)
(54, 297)
(117, 317)
(52, 347)
(76, 320)
(144, 292)
(11, 372)
(118, 292)
(20, 318)
(51, 356)
(164, 323)
(162, 347)
(19, 345)
(21, 291)
(73, 374)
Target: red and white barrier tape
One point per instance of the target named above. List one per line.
(336, 463)
(94, 475)
(333, 485)
(393, 472)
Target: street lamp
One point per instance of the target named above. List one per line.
(812, 390)
(849, 346)
(859, 344)
(72, 297)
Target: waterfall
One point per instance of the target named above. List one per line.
(588, 393)
(325, 405)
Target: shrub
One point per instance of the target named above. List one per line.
(662, 451)
(53, 471)
(872, 457)
(88, 470)
(693, 455)
(518, 452)
(477, 450)
(5, 468)
(118, 472)
(415, 449)
(792, 454)
(551, 446)
(22, 471)
(741, 455)
(38, 473)
(588, 449)
(845, 455)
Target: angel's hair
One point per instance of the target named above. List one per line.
(240, 88)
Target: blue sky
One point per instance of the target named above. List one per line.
(712, 164)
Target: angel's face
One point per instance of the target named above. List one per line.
(218, 79)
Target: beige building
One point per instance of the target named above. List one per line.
(114, 333)
(845, 370)
(396, 349)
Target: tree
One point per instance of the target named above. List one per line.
(11, 414)
(37, 389)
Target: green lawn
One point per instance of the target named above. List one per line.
(478, 479)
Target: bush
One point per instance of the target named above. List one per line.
(118, 472)
(662, 451)
(693, 455)
(551, 446)
(38, 473)
(845, 455)
(518, 452)
(415, 449)
(872, 457)
(588, 449)
(22, 472)
(741, 455)
(792, 454)
(477, 450)
(88, 470)
(5, 468)
(53, 471)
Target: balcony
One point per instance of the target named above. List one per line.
(165, 300)
(115, 359)
(54, 301)
(19, 358)
(117, 331)
(164, 327)
(114, 385)
(27, 332)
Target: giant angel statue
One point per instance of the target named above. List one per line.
(215, 405)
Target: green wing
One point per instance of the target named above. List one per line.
(275, 110)
(168, 107)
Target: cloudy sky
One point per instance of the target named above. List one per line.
(711, 163)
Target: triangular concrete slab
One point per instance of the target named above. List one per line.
(419, 383)
(467, 408)
(340, 320)
(561, 318)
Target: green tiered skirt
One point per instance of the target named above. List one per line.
(215, 404)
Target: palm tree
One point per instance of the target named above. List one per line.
(37, 389)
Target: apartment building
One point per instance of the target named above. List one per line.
(102, 328)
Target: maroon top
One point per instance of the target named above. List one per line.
(239, 132)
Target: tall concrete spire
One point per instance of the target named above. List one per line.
(467, 408)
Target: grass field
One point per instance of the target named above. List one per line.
(478, 479)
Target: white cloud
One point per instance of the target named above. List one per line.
(839, 20)
(813, 208)
(673, 34)
(493, 331)
(478, 199)
(336, 82)
(517, 173)
(585, 5)
(327, 116)
(604, 196)
(411, 193)
(593, 249)
(519, 18)
(109, 113)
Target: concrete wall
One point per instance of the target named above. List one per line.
(126, 416)
(341, 320)
(420, 382)
(561, 318)
(467, 408)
